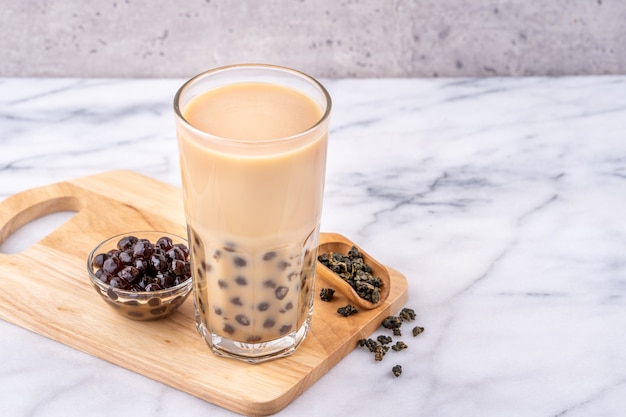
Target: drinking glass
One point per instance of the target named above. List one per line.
(252, 141)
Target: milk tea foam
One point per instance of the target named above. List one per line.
(253, 206)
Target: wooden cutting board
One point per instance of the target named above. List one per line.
(45, 289)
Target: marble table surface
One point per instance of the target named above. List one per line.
(501, 200)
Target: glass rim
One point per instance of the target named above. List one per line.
(323, 118)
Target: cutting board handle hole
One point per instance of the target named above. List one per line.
(33, 224)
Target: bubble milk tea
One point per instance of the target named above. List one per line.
(253, 162)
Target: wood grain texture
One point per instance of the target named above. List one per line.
(55, 298)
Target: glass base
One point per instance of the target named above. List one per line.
(255, 352)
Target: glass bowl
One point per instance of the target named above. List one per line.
(128, 291)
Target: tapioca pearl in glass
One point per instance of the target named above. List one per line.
(281, 292)
(284, 329)
(268, 256)
(239, 261)
(270, 283)
(236, 301)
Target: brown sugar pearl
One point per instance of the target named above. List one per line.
(126, 242)
(184, 249)
(138, 265)
(283, 265)
(165, 243)
(177, 267)
(119, 282)
(112, 265)
(285, 329)
(153, 287)
(263, 306)
(126, 257)
(141, 265)
(281, 292)
(175, 254)
(129, 273)
(269, 256)
(241, 281)
(269, 323)
(98, 260)
(269, 284)
(239, 261)
(158, 262)
(143, 249)
(242, 319)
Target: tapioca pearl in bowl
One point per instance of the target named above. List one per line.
(143, 275)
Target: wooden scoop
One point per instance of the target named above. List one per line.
(333, 242)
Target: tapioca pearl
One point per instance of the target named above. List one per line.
(183, 248)
(236, 301)
(218, 311)
(288, 306)
(126, 257)
(99, 273)
(269, 323)
(281, 292)
(284, 329)
(308, 259)
(126, 242)
(200, 305)
(217, 254)
(205, 266)
(114, 304)
(112, 294)
(158, 311)
(196, 239)
(228, 329)
(177, 267)
(135, 314)
(263, 306)
(239, 261)
(291, 276)
(269, 283)
(240, 280)
(283, 265)
(242, 319)
(174, 253)
(222, 284)
(254, 339)
(268, 256)
(112, 265)
(200, 273)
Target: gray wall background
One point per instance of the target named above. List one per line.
(326, 38)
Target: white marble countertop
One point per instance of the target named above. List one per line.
(501, 200)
